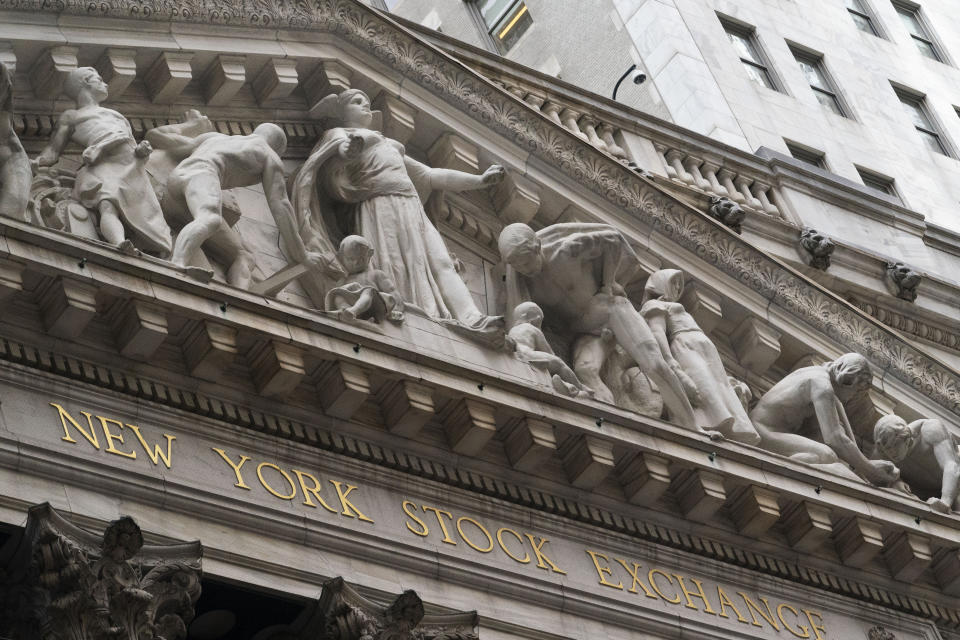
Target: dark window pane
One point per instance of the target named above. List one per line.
(863, 23)
(829, 100)
(511, 26)
(927, 48)
(932, 140)
(758, 74)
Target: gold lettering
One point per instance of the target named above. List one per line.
(315, 490)
(603, 572)
(266, 485)
(111, 437)
(157, 453)
(443, 525)
(236, 467)
(725, 602)
(407, 505)
(816, 628)
(752, 606)
(489, 546)
(653, 583)
(699, 594)
(91, 435)
(634, 573)
(541, 556)
(500, 532)
(349, 509)
(803, 628)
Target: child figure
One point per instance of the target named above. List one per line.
(365, 293)
(529, 344)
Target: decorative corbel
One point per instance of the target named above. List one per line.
(903, 281)
(727, 212)
(816, 248)
(276, 80)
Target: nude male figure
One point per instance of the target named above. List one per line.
(571, 271)
(819, 392)
(113, 179)
(218, 161)
(927, 456)
(15, 174)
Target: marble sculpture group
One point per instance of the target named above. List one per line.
(354, 229)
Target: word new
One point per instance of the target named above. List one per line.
(113, 436)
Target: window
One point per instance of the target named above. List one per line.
(807, 154)
(877, 182)
(861, 17)
(505, 20)
(916, 108)
(910, 15)
(745, 43)
(812, 66)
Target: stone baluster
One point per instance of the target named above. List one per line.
(760, 190)
(726, 179)
(569, 119)
(692, 165)
(588, 124)
(662, 150)
(535, 101)
(709, 171)
(605, 131)
(675, 159)
(743, 183)
(552, 111)
(518, 92)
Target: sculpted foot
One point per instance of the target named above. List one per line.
(715, 436)
(347, 315)
(198, 273)
(938, 505)
(564, 388)
(126, 247)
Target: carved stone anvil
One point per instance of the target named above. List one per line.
(343, 614)
(60, 581)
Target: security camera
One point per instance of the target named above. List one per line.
(637, 76)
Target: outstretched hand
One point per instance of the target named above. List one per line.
(352, 146)
(884, 473)
(493, 175)
(143, 150)
(327, 264)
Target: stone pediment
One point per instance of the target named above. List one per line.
(300, 362)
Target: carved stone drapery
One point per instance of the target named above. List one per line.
(880, 633)
(450, 81)
(343, 614)
(58, 581)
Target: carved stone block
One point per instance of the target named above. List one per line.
(139, 327)
(754, 510)
(907, 555)
(858, 541)
(406, 406)
(168, 76)
(469, 425)
(223, 79)
(67, 306)
(453, 152)
(529, 443)
(342, 388)
(946, 569)
(644, 476)
(756, 344)
(11, 278)
(8, 57)
(587, 460)
(276, 80)
(704, 305)
(209, 348)
(516, 199)
(277, 368)
(328, 77)
(118, 68)
(903, 281)
(51, 69)
(807, 525)
(399, 118)
(700, 493)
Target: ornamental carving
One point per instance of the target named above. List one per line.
(70, 583)
(880, 633)
(343, 614)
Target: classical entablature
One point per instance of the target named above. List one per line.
(358, 371)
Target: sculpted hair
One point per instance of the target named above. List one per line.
(513, 236)
(332, 106)
(274, 136)
(75, 80)
(659, 281)
(887, 429)
(849, 367)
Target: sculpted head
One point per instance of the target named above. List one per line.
(665, 284)
(122, 539)
(894, 437)
(350, 108)
(85, 78)
(529, 313)
(851, 375)
(816, 243)
(520, 248)
(355, 253)
(274, 136)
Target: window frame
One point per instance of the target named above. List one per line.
(807, 155)
(748, 32)
(815, 59)
(914, 10)
(935, 128)
(867, 13)
(889, 185)
(488, 30)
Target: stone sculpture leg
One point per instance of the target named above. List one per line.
(454, 291)
(111, 227)
(202, 192)
(15, 179)
(227, 245)
(633, 334)
(589, 354)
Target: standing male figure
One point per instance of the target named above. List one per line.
(571, 271)
(112, 180)
(217, 161)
